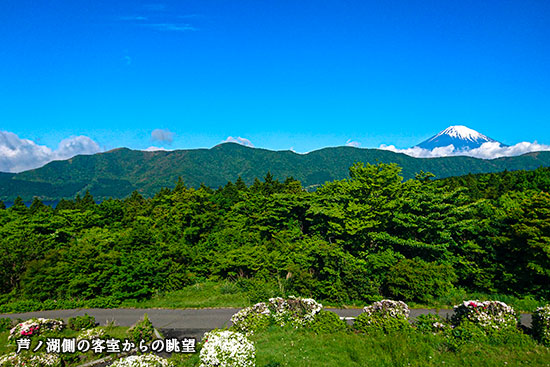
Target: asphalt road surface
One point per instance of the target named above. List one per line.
(205, 318)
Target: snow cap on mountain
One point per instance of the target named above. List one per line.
(459, 136)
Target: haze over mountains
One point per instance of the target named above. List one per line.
(118, 172)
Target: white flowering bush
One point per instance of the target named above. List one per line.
(95, 333)
(143, 360)
(224, 348)
(488, 315)
(388, 308)
(251, 319)
(30, 360)
(385, 315)
(540, 324)
(35, 326)
(293, 311)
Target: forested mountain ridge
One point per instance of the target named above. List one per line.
(118, 172)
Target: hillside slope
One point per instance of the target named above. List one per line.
(118, 172)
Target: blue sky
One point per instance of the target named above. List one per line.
(282, 74)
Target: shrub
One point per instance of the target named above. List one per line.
(21, 306)
(386, 316)
(326, 322)
(30, 360)
(34, 327)
(144, 360)
(5, 324)
(257, 289)
(540, 325)
(143, 329)
(252, 319)
(78, 323)
(295, 312)
(227, 349)
(490, 316)
(388, 308)
(430, 323)
(104, 302)
(466, 332)
(418, 280)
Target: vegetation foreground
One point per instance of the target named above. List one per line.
(298, 332)
(353, 241)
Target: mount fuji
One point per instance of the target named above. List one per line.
(461, 137)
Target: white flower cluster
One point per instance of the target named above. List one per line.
(294, 311)
(30, 360)
(35, 326)
(488, 314)
(144, 360)
(94, 333)
(227, 349)
(250, 318)
(541, 324)
(388, 308)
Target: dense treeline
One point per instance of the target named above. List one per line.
(370, 236)
(493, 185)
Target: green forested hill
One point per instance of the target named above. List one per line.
(119, 172)
(356, 240)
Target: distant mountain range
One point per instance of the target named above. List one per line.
(461, 137)
(118, 172)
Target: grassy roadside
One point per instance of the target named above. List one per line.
(212, 294)
(200, 295)
(295, 348)
(226, 294)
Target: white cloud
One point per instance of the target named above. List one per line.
(155, 149)
(162, 135)
(18, 154)
(489, 150)
(239, 140)
(351, 143)
(293, 151)
(68, 148)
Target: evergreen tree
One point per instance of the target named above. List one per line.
(36, 205)
(240, 184)
(19, 206)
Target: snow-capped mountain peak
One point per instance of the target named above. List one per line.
(461, 137)
(463, 132)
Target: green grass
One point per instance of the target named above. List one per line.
(212, 294)
(227, 294)
(525, 304)
(4, 347)
(200, 295)
(280, 347)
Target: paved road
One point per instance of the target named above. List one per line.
(199, 319)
